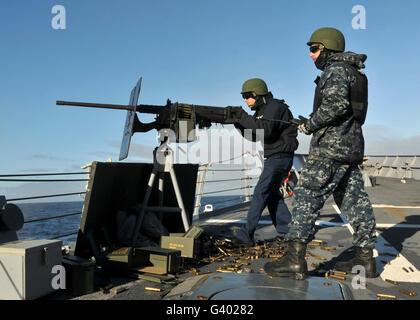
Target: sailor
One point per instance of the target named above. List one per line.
(336, 151)
(280, 142)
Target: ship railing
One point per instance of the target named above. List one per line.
(393, 166)
(390, 166)
(24, 178)
(245, 184)
(240, 186)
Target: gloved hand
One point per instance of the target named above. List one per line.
(301, 124)
(233, 115)
(302, 128)
(298, 122)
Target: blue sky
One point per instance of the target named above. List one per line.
(197, 52)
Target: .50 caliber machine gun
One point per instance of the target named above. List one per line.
(182, 118)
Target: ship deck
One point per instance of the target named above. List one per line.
(397, 212)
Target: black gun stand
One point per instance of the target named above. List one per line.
(162, 163)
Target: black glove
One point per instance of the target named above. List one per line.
(233, 115)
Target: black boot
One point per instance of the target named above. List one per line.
(292, 264)
(241, 238)
(364, 257)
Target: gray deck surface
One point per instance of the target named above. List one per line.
(398, 244)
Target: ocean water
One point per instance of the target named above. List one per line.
(62, 226)
(50, 228)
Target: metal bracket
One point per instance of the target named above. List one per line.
(3, 202)
(163, 152)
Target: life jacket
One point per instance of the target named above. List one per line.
(358, 95)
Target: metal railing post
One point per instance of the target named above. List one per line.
(247, 196)
(200, 183)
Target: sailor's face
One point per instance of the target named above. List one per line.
(250, 102)
(314, 55)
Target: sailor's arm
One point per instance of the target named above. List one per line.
(335, 100)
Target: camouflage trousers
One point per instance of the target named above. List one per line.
(321, 178)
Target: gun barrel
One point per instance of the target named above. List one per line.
(94, 105)
(143, 108)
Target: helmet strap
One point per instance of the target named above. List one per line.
(259, 100)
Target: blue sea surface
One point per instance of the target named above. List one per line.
(50, 228)
(59, 227)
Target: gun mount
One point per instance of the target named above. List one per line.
(182, 118)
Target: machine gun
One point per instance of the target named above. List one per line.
(182, 118)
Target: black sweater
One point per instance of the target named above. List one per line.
(279, 138)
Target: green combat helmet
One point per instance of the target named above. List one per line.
(331, 38)
(258, 86)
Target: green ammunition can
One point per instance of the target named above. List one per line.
(188, 243)
(120, 261)
(157, 260)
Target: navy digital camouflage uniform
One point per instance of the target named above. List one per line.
(336, 151)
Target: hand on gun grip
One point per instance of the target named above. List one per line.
(301, 124)
(302, 128)
(233, 115)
